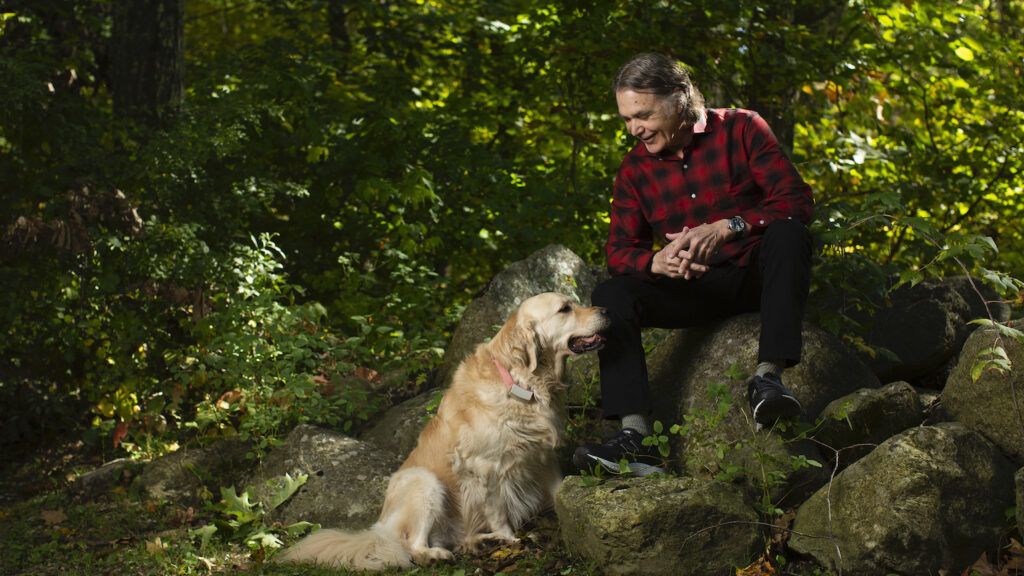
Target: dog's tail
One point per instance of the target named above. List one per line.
(374, 549)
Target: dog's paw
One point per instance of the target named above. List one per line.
(476, 542)
(425, 556)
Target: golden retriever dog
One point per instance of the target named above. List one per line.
(486, 463)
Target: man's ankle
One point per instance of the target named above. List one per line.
(637, 422)
(770, 366)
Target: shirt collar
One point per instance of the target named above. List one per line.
(704, 125)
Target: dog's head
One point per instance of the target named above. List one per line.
(551, 326)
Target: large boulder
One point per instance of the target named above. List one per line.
(398, 429)
(553, 268)
(982, 300)
(930, 499)
(99, 481)
(347, 478)
(919, 330)
(854, 424)
(190, 472)
(994, 404)
(658, 525)
(692, 376)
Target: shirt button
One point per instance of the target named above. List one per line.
(761, 222)
(693, 195)
(685, 166)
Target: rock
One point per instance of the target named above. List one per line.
(856, 423)
(691, 361)
(658, 525)
(553, 268)
(922, 326)
(930, 499)
(931, 406)
(347, 478)
(397, 431)
(921, 329)
(999, 310)
(100, 481)
(185, 474)
(994, 404)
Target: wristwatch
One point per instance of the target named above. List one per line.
(737, 225)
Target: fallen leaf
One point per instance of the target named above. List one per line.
(781, 526)
(368, 374)
(156, 546)
(760, 567)
(120, 433)
(1014, 558)
(981, 567)
(53, 517)
(228, 398)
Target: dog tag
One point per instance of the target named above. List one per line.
(521, 393)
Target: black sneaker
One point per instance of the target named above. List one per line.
(626, 445)
(771, 400)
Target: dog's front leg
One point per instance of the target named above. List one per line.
(473, 493)
(487, 519)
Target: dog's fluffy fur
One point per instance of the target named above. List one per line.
(486, 462)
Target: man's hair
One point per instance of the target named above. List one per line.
(664, 77)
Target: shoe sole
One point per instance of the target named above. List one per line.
(635, 468)
(767, 412)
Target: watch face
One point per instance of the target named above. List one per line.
(736, 225)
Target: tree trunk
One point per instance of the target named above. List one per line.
(775, 57)
(148, 59)
(337, 23)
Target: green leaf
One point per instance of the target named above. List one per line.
(238, 506)
(1003, 329)
(299, 528)
(204, 534)
(288, 488)
(964, 53)
(264, 539)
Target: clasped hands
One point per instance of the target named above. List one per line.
(689, 251)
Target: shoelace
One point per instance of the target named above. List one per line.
(626, 441)
(764, 384)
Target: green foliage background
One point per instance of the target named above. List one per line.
(338, 184)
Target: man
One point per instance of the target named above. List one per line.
(732, 210)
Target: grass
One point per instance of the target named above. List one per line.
(123, 533)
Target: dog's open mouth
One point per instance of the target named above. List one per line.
(581, 344)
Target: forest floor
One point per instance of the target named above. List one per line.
(47, 529)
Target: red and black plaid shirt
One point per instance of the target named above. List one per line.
(734, 167)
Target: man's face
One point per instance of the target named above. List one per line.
(655, 122)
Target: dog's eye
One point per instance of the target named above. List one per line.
(565, 309)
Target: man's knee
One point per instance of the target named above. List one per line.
(789, 233)
(614, 293)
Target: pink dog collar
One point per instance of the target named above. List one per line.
(514, 389)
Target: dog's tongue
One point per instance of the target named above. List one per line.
(586, 343)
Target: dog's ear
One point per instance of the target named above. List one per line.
(518, 339)
(532, 345)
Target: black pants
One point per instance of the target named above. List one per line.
(776, 281)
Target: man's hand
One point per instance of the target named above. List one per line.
(691, 250)
(706, 240)
(674, 261)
